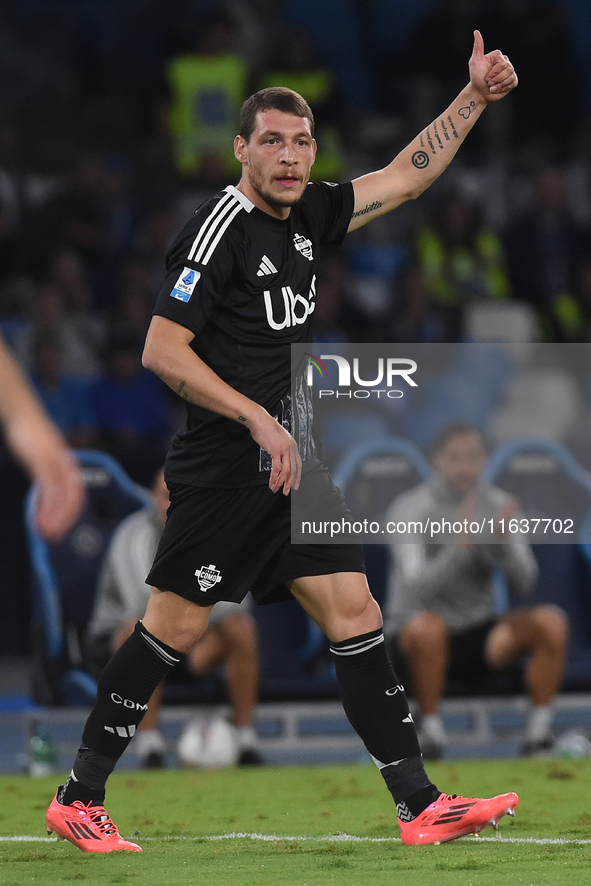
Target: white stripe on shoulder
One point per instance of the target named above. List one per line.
(246, 203)
(231, 207)
(212, 220)
(220, 234)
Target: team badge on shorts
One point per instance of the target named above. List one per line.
(208, 577)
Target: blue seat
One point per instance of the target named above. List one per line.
(370, 477)
(372, 474)
(549, 483)
(65, 576)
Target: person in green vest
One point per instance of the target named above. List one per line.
(461, 258)
(207, 88)
(298, 68)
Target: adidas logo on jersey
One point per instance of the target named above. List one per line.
(266, 267)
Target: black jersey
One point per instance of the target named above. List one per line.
(245, 283)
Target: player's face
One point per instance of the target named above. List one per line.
(461, 461)
(276, 161)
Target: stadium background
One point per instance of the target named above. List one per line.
(93, 185)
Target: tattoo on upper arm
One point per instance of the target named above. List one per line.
(371, 207)
(451, 123)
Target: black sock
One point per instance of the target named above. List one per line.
(377, 708)
(124, 689)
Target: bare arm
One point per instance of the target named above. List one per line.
(416, 167)
(40, 448)
(168, 354)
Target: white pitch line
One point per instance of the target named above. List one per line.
(329, 838)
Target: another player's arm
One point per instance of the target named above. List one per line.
(168, 354)
(40, 448)
(416, 167)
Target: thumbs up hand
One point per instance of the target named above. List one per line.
(492, 74)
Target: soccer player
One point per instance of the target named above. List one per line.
(241, 288)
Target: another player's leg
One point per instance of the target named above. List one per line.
(424, 642)
(232, 640)
(541, 633)
(377, 708)
(169, 629)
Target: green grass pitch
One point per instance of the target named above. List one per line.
(200, 828)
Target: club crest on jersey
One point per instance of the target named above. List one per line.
(304, 246)
(184, 286)
(208, 577)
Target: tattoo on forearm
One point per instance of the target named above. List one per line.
(241, 418)
(451, 123)
(183, 393)
(371, 207)
(422, 140)
(437, 136)
(430, 140)
(420, 159)
(445, 132)
(467, 110)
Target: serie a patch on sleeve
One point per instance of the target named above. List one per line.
(185, 285)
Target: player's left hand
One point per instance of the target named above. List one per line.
(492, 74)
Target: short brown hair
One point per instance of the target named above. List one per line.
(278, 98)
(455, 429)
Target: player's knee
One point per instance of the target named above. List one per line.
(357, 614)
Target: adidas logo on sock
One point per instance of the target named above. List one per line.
(122, 731)
(266, 267)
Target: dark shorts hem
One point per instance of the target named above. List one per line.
(218, 544)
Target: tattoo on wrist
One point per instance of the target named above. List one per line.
(467, 110)
(420, 159)
(241, 418)
(451, 123)
(181, 388)
(371, 207)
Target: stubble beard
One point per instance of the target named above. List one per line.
(271, 200)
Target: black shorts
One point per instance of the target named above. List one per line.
(467, 660)
(218, 544)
